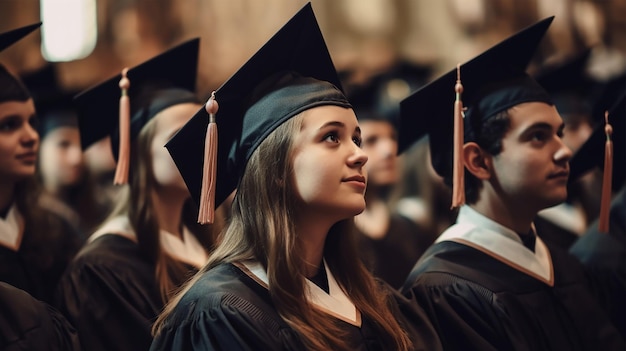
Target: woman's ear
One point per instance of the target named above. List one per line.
(477, 161)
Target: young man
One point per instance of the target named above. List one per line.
(489, 282)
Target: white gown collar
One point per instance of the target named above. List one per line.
(477, 231)
(188, 250)
(335, 303)
(12, 229)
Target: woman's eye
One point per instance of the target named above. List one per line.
(332, 137)
(357, 140)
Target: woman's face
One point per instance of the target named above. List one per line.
(61, 158)
(329, 174)
(168, 122)
(19, 140)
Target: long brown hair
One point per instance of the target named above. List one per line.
(136, 202)
(268, 235)
(48, 243)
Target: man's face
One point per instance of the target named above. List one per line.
(380, 143)
(532, 169)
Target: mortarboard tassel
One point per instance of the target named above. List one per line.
(123, 160)
(209, 171)
(458, 176)
(605, 204)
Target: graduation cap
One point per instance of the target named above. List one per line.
(54, 105)
(569, 85)
(606, 94)
(12, 89)
(490, 83)
(590, 154)
(291, 73)
(379, 98)
(11, 37)
(163, 81)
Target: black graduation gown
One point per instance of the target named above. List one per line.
(554, 234)
(227, 310)
(477, 302)
(29, 324)
(604, 257)
(392, 257)
(110, 294)
(41, 258)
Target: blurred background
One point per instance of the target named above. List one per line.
(95, 39)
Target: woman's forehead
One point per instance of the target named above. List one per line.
(329, 114)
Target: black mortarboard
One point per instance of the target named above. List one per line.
(591, 153)
(54, 105)
(606, 94)
(493, 82)
(165, 80)
(569, 85)
(379, 98)
(291, 73)
(11, 37)
(10, 87)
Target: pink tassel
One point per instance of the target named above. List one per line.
(209, 171)
(607, 179)
(123, 160)
(458, 171)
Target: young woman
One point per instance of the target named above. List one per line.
(35, 245)
(286, 274)
(130, 266)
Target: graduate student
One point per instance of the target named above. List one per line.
(602, 249)
(286, 274)
(35, 244)
(490, 282)
(120, 280)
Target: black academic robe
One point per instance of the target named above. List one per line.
(477, 302)
(110, 294)
(554, 234)
(391, 257)
(38, 264)
(604, 257)
(29, 324)
(226, 309)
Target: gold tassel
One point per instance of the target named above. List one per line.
(123, 160)
(206, 213)
(607, 179)
(458, 175)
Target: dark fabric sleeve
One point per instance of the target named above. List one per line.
(604, 257)
(464, 314)
(30, 324)
(112, 307)
(227, 323)
(415, 322)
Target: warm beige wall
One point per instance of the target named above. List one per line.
(365, 35)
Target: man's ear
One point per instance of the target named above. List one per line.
(477, 161)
